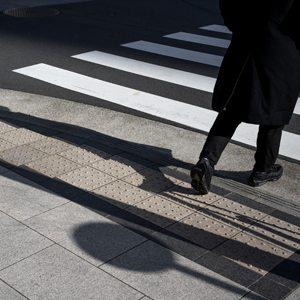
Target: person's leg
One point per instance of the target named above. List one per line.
(268, 143)
(218, 137)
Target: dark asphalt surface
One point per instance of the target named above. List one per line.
(104, 25)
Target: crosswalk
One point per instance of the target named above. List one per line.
(176, 111)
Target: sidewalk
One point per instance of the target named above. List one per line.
(86, 215)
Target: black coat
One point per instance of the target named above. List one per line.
(260, 75)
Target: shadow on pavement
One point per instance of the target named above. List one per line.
(225, 256)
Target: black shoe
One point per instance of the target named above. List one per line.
(258, 178)
(201, 175)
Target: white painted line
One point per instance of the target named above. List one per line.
(217, 28)
(198, 57)
(199, 39)
(182, 113)
(297, 107)
(195, 81)
(187, 79)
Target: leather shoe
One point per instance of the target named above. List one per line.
(201, 175)
(258, 178)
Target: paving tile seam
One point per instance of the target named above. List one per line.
(178, 204)
(276, 282)
(121, 254)
(261, 240)
(68, 129)
(206, 208)
(13, 288)
(164, 227)
(287, 247)
(43, 212)
(257, 195)
(81, 258)
(200, 209)
(27, 161)
(125, 207)
(33, 254)
(245, 230)
(81, 165)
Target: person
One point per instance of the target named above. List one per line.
(258, 83)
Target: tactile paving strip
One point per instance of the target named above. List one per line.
(183, 194)
(277, 231)
(52, 145)
(21, 136)
(6, 127)
(233, 213)
(84, 155)
(121, 194)
(4, 145)
(159, 211)
(86, 178)
(150, 180)
(21, 155)
(53, 166)
(202, 230)
(253, 253)
(118, 166)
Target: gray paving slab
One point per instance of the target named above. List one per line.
(85, 233)
(6, 292)
(3, 170)
(55, 273)
(22, 199)
(256, 254)
(294, 295)
(228, 269)
(18, 241)
(202, 230)
(270, 289)
(161, 274)
(254, 296)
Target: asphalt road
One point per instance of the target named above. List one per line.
(105, 26)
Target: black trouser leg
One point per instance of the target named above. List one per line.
(268, 143)
(219, 136)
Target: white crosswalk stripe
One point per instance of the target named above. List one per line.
(194, 56)
(199, 39)
(179, 112)
(191, 80)
(217, 28)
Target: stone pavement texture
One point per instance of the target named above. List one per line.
(84, 216)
